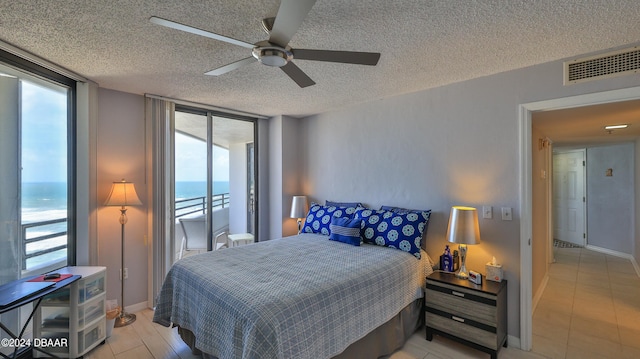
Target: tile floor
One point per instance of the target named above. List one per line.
(590, 309)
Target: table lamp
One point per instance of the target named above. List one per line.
(299, 209)
(463, 229)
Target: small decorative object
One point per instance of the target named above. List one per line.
(475, 277)
(494, 270)
(446, 260)
(456, 260)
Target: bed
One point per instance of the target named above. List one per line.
(296, 297)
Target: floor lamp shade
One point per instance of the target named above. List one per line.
(463, 229)
(299, 209)
(123, 194)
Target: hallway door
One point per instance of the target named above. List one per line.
(569, 199)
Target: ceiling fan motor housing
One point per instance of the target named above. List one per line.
(272, 55)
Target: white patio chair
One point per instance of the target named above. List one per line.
(195, 236)
(221, 241)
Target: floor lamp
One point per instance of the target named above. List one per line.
(123, 194)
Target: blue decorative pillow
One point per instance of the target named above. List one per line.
(397, 230)
(400, 210)
(345, 230)
(343, 204)
(319, 217)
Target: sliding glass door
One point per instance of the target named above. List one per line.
(214, 178)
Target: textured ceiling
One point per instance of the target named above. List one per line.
(585, 125)
(424, 44)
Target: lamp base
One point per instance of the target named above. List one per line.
(463, 273)
(124, 319)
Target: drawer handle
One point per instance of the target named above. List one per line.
(457, 319)
(457, 294)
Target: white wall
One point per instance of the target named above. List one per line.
(284, 174)
(457, 144)
(610, 200)
(121, 154)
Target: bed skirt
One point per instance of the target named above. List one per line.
(382, 341)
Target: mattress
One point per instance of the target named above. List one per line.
(297, 297)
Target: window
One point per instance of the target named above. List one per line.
(213, 173)
(37, 136)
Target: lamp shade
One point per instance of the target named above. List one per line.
(298, 207)
(463, 226)
(123, 194)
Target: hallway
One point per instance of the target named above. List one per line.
(590, 307)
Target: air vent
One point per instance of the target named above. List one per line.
(602, 66)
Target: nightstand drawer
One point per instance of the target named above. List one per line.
(463, 306)
(463, 330)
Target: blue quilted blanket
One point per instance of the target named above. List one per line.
(297, 297)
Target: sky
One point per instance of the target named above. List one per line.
(191, 160)
(44, 136)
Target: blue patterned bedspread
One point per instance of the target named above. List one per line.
(297, 297)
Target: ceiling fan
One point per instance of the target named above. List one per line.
(276, 52)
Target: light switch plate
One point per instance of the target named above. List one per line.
(487, 212)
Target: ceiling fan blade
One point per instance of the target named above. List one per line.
(196, 31)
(297, 75)
(290, 16)
(232, 66)
(346, 57)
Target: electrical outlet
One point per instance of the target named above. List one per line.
(126, 273)
(506, 213)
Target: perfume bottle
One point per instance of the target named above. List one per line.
(456, 261)
(446, 260)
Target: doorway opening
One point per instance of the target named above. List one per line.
(526, 195)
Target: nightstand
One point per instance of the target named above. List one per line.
(475, 315)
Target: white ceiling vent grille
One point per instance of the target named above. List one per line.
(602, 66)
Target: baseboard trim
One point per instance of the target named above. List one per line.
(616, 254)
(136, 307)
(539, 292)
(513, 342)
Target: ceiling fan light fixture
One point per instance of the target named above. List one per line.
(272, 56)
(616, 127)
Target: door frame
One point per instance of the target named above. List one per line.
(526, 176)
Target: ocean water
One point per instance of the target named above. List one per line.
(43, 201)
(199, 189)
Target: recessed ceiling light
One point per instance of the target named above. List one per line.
(615, 127)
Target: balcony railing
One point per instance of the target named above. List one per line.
(199, 205)
(57, 239)
(34, 246)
